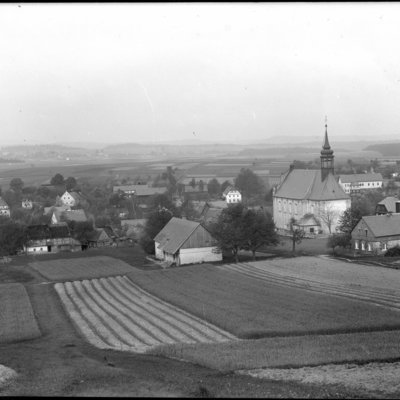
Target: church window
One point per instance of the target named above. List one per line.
(369, 247)
(356, 244)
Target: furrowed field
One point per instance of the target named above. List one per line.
(114, 313)
(17, 320)
(255, 307)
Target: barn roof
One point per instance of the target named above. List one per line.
(175, 234)
(383, 225)
(369, 177)
(306, 184)
(39, 232)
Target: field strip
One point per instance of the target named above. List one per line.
(372, 296)
(177, 332)
(180, 314)
(114, 313)
(79, 321)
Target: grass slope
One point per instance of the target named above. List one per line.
(250, 308)
(81, 268)
(17, 320)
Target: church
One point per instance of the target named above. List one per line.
(312, 197)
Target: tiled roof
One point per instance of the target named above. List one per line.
(390, 203)
(39, 232)
(353, 178)
(72, 215)
(175, 234)
(383, 225)
(306, 184)
(47, 210)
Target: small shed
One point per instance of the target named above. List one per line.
(186, 242)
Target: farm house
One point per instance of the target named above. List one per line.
(50, 239)
(185, 242)
(374, 234)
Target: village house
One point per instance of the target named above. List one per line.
(71, 199)
(185, 242)
(305, 192)
(374, 234)
(27, 204)
(50, 239)
(4, 208)
(232, 195)
(102, 237)
(354, 183)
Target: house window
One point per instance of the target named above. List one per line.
(366, 232)
(362, 245)
(356, 246)
(383, 246)
(369, 247)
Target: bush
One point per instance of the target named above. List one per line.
(393, 252)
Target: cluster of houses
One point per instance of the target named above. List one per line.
(311, 200)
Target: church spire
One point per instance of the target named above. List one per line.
(326, 155)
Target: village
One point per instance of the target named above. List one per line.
(356, 213)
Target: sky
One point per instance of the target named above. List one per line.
(225, 72)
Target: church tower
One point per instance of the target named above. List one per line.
(326, 156)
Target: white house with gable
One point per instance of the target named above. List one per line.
(232, 195)
(185, 242)
(311, 195)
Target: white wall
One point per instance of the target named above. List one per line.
(285, 209)
(159, 253)
(199, 255)
(38, 249)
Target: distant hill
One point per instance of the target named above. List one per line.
(386, 149)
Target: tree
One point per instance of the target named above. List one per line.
(228, 230)
(297, 234)
(225, 185)
(12, 237)
(338, 240)
(258, 230)
(16, 184)
(201, 185)
(249, 183)
(81, 230)
(193, 183)
(70, 183)
(329, 215)
(57, 180)
(214, 187)
(156, 221)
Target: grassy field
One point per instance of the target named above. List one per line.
(290, 352)
(17, 320)
(81, 268)
(254, 308)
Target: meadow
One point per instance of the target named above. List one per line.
(17, 320)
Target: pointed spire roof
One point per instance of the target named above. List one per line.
(326, 148)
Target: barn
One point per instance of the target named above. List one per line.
(186, 242)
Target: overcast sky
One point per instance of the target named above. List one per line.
(227, 72)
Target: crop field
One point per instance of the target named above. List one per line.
(114, 313)
(250, 307)
(81, 268)
(17, 320)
